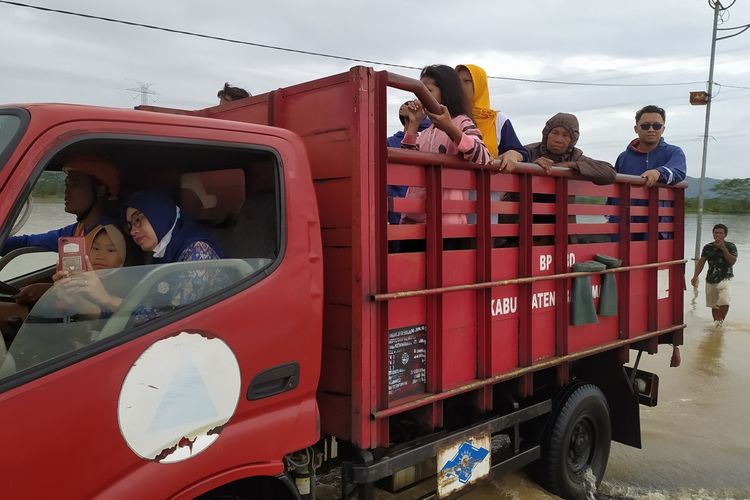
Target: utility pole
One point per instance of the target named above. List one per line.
(717, 8)
(707, 99)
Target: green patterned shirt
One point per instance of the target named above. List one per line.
(718, 268)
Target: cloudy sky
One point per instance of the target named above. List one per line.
(50, 57)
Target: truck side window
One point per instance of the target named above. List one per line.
(233, 195)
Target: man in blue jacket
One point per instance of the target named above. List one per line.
(649, 156)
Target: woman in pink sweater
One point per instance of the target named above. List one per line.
(452, 132)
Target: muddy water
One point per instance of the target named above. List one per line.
(696, 442)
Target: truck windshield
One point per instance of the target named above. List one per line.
(9, 126)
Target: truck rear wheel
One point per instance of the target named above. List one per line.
(575, 446)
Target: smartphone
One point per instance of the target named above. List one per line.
(72, 254)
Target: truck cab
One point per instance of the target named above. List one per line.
(115, 399)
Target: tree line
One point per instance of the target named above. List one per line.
(50, 185)
(727, 196)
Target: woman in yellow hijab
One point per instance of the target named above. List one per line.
(497, 130)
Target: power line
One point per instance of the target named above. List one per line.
(731, 86)
(321, 54)
(742, 29)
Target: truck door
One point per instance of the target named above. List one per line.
(206, 371)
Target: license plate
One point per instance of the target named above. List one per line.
(462, 463)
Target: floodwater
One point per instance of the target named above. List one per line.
(696, 442)
(44, 217)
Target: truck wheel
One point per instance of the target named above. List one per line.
(576, 444)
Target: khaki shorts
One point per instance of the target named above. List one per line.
(718, 294)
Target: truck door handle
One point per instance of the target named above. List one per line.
(274, 381)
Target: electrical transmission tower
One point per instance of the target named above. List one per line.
(144, 89)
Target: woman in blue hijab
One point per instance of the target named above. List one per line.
(156, 225)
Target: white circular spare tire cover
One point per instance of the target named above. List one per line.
(177, 396)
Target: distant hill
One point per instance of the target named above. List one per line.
(708, 183)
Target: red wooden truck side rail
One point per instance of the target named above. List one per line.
(495, 313)
(483, 302)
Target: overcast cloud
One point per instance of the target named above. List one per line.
(49, 57)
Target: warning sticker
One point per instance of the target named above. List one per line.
(407, 361)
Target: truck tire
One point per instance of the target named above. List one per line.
(576, 441)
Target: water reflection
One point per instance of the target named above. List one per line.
(694, 300)
(695, 443)
(708, 354)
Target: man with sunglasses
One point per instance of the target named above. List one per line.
(649, 156)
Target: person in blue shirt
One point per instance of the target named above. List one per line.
(649, 156)
(394, 141)
(90, 183)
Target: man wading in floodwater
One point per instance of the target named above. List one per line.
(721, 256)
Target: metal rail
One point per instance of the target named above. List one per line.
(417, 88)
(427, 448)
(379, 297)
(420, 158)
(547, 363)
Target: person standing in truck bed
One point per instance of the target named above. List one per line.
(557, 148)
(649, 156)
(453, 132)
(497, 130)
(230, 93)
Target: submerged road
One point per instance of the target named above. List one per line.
(696, 442)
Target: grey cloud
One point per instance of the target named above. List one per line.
(52, 57)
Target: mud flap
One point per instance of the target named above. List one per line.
(610, 376)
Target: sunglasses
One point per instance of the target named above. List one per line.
(655, 126)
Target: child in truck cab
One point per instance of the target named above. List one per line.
(453, 132)
(67, 317)
(85, 293)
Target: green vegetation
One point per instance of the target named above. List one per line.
(50, 185)
(591, 200)
(727, 196)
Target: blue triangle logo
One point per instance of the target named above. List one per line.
(187, 400)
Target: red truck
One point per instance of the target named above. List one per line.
(415, 357)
